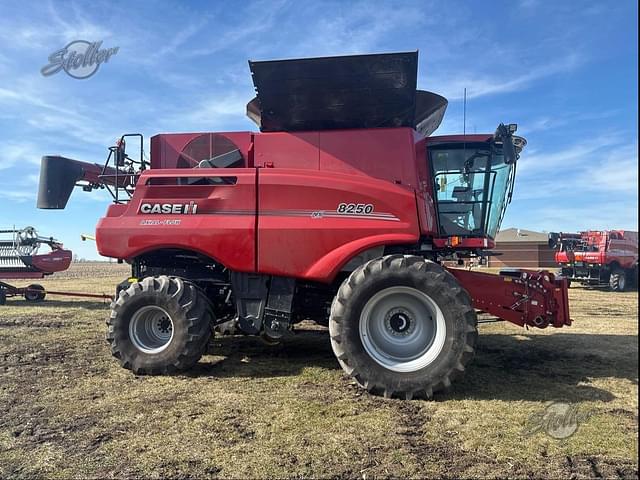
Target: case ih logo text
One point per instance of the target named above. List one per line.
(80, 59)
(170, 208)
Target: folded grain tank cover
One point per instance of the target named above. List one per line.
(355, 91)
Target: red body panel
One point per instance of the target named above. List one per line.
(301, 232)
(57, 260)
(385, 153)
(287, 150)
(223, 228)
(283, 219)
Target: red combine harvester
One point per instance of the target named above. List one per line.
(19, 258)
(340, 210)
(598, 258)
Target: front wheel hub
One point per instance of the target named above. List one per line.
(399, 322)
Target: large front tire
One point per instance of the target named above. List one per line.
(159, 325)
(403, 327)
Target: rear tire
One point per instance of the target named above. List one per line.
(3, 296)
(403, 327)
(35, 293)
(618, 280)
(159, 325)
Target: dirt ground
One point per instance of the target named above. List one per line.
(252, 410)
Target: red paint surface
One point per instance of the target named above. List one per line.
(531, 298)
(281, 218)
(55, 261)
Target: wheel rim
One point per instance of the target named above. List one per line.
(151, 329)
(402, 329)
(621, 281)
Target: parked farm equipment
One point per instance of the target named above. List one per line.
(598, 258)
(19, 256)
(341, 209)
(19, 259)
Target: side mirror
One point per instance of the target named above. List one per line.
(504, 133)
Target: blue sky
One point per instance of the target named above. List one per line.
(566, 72)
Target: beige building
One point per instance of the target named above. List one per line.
(522, 249)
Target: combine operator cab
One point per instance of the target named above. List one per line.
(473, 182)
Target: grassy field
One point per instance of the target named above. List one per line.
(252, 410)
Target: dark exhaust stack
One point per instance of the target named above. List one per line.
(58, 176)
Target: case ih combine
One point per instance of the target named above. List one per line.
(19, 258)
(598, 257)
(340, 210)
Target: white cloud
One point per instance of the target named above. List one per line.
(585, 153)
(608, 215)
(591, 184)
(19, 154)
(214, 111)
(357, 28)
(547, 122)
(588, 173)
(452, 84)
(50, 29)
(260, 17)
(178, 39)
(616, 172)
(22, 96)
(19, 196)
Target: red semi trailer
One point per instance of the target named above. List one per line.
(340, 209)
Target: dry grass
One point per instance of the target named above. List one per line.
(250, 410)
